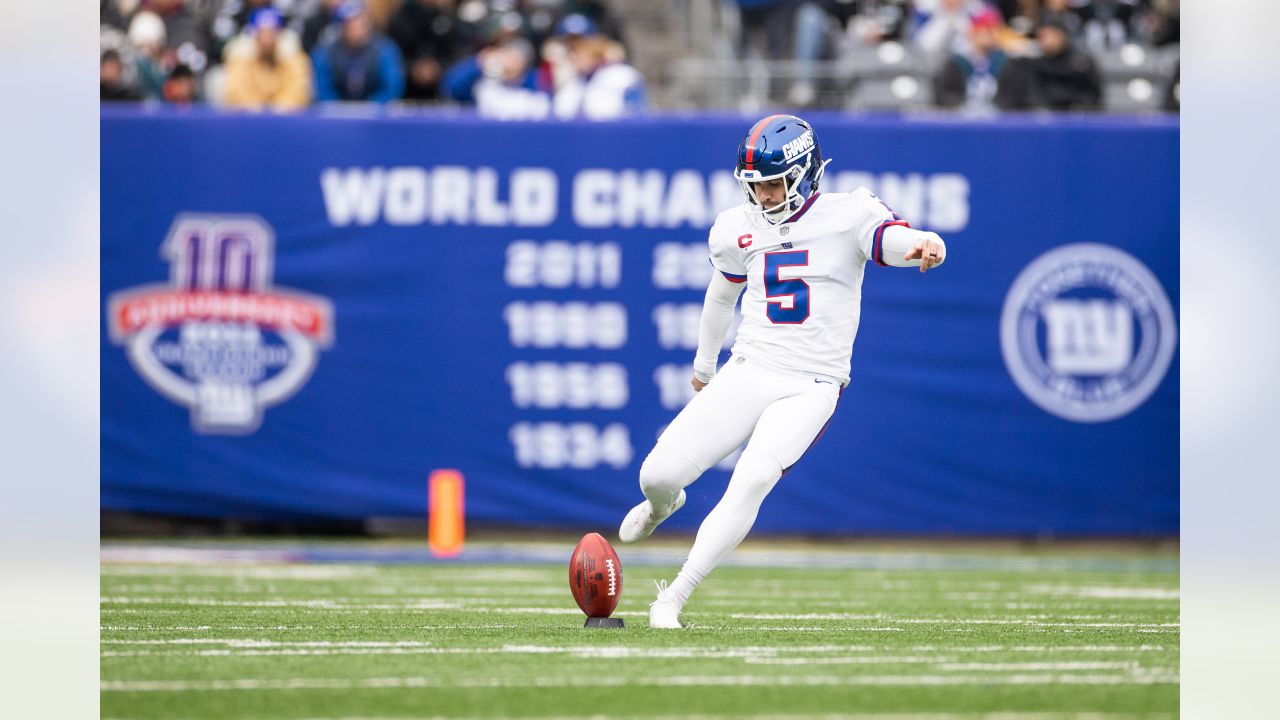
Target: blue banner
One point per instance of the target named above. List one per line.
(304, 316)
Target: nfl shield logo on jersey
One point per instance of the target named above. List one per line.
(218, 338)
(1087, 332)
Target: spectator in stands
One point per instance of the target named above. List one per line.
(473, 19)
(1107, 23)
(501, 82)
(767, 26)
(319, 24)
(111, 80)
(786, 30)
(1062, 12)
(970, 78)
(266, 68)
(557, 66)
(1020, 16)
(1062, 78)
(428, 39)
(943, 25)
(1165, 22)
(871, 21)
(235, 16)
(500, 27)
(597, 11)
(116, 13)
(181, 87)
(188, 31)
(148, 38)
(593, 79)
(1172, 100)
(359, 64)
(540, 18)
(809, 41)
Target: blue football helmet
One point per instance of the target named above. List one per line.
(779, 146)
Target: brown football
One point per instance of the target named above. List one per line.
(595, 576)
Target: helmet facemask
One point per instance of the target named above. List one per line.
(797, 191)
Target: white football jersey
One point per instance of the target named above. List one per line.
(804, 279)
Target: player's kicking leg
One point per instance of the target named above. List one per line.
(786, 429)
(711, 426)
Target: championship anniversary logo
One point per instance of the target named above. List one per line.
(218, 338)
(1087, 332)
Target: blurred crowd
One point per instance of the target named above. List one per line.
(518, 59)
(938, 24)
(508, 58)
(999, 54)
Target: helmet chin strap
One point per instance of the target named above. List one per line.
(817, 177)
(791, 203)
(795, 201)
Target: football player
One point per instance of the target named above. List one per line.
(800, 256)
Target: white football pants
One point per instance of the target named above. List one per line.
(783, 414)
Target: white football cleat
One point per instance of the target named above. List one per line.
(664, 613)
(642, 520)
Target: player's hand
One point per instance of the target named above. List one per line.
(930, 253)
(697, 384)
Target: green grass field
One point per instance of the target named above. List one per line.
(933, 632)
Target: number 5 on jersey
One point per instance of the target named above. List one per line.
(786, 301)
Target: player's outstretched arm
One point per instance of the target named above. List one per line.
(717, 314)
(905, 247)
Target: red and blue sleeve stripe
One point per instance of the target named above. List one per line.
(729, 276)
(877, 243)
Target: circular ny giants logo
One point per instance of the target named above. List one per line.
(1087, 332)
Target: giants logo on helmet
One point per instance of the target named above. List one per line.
(799, 146)
(218, 338)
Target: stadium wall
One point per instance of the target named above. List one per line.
(304, 316)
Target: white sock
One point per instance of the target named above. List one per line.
(728, 522)
(690, 575)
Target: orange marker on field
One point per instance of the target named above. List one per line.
(446, 528)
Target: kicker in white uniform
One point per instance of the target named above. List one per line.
(800, 255)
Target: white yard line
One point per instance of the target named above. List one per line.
(280, 652)
(1106, 592)
(351, 605)
(1042, 648)
(255, 643)
(623, 651)
(254, 647)
(775, 628)
(244, 571)
(840, 716)
(885, 623)
(847, 660)
(317, 603)
(940, 621)
(758, 654)
(598, 681)
(632, 651)
(1039, 666)
(344, 627)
